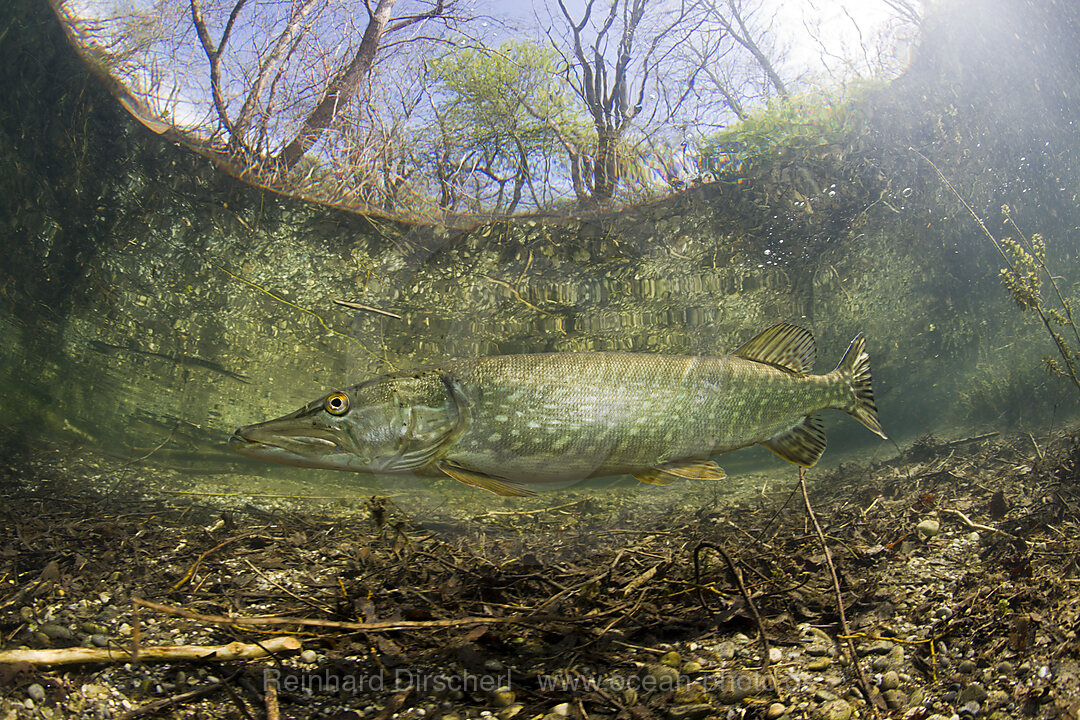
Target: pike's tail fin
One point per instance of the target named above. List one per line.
(855, 369)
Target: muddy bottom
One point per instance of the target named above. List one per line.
(956, 561)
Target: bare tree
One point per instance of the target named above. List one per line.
(345, 85)
(606, 82)
(734, 17)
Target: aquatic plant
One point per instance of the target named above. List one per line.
(1024, 275)
(1024, 278)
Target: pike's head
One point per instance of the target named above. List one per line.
(393, 423)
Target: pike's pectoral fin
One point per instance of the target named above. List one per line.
(483, 481)
(689, 470)
(802, 444)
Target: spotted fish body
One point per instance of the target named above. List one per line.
(513, 423)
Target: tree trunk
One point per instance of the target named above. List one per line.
(341, 89)
(606, 167)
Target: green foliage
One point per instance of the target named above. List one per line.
(805, 120)
(495, 95)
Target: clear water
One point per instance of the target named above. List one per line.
(156, 303)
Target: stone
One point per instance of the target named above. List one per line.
(562, 710)
(692, 694)
(966, 666)
(657, 677)
(775, 656)
(671, 659)
(56, 632)
(692, 666)
(509, 711)
(732, 687)
(818, 664)
(973, 691)
(503, 697)
(895, 698)
(775, 710)
(928, 528)
(878, 647)
(310, 656)
(890, 680)
(689, 712)
(725, 650)
(36, 692)
(834, 710)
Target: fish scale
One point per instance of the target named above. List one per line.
(514, 423)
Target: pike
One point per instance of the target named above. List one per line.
(511, 423)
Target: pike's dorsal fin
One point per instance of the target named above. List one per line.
(689, 470)
(483, 481)
(788, 347)
(802, 444)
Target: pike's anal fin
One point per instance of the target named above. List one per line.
(688, 470)
(802, 444)
(480, 480)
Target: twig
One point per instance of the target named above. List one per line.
(285, 590)
(872, 697)
(175, 700)
(368, 308)
(195, 566)
(977, 526)
(767, 661)
(232, 651)
(272, 710)
(340, 624)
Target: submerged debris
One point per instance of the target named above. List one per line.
(575, 612)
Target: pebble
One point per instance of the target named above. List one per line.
(928, 528)
(1006, 668)
(494, 666)
(671, 659)
(503, 697)
(966, 666)
(895, 698)
(56, 632)
(732, 687)
(818, 664)
(692, 694)
(100, 640)
(36, 692)
(775, 656)
(725, 650)
(834, 710)
(659, 677)
(692, 666)
(562, 710)
(509, 711)
(689, 712)
(974, 691)
(878, 647)
(310, 656)
(890, 680)
(775, 710)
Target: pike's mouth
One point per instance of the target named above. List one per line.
(261, 440)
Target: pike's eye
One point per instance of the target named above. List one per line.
(336, 403)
